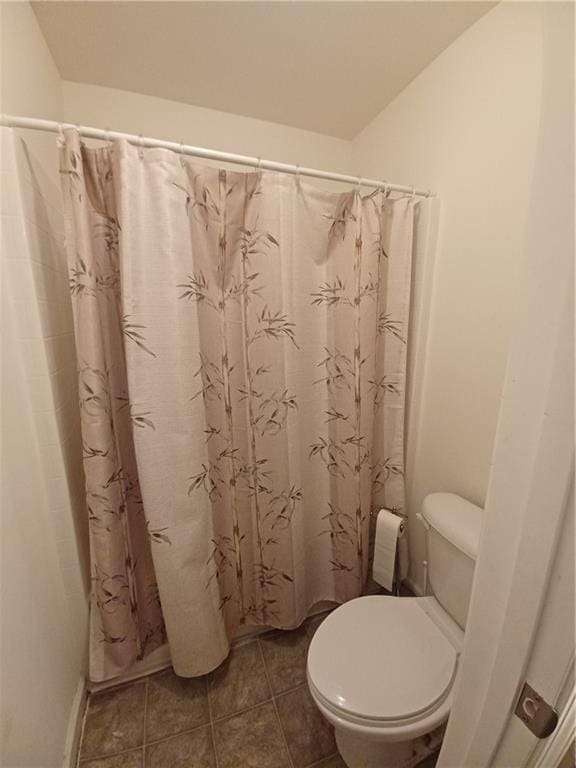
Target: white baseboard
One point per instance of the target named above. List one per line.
(74, 730)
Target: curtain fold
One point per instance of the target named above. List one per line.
(241, 341)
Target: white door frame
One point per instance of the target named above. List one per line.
(534, 449)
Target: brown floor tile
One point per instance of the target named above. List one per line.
(175, 704)
(114, 721)
(310, 738)
(132, 759)
(285, 654)
(187, 750)
(251, 740)
(239, 682)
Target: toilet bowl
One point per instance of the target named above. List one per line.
(382, 669)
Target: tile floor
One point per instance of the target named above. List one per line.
(254, 711)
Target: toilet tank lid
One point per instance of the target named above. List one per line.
(456, 519)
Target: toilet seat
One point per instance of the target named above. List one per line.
(384, 662)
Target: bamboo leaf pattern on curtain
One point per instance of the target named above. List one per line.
(242, 348)
(356, 392)
(126, 619)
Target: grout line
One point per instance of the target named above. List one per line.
(242, 711)
(145, 728)
(211, 722)
(173, 735)
(284, 739)
(289, 690)
(318, 763)
(265, 668)
(110, 754)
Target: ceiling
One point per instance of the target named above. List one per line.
(326, 66)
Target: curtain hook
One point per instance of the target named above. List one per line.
(413, 195)
(259, 166)
(358, 184)
(140, 150)
(181, 153)
(61, 138)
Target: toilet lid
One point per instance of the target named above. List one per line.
(381, 658)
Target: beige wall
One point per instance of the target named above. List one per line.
(172, 121)
(467, 128)
(44, 558)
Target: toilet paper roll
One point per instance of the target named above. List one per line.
(389, 529)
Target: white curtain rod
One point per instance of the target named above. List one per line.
(53, 126)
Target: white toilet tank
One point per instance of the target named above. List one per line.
(453, 538)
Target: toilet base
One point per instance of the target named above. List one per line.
(360, 753)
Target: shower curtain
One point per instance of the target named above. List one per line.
(241, 340)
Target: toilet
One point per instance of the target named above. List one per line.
(382, 669)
